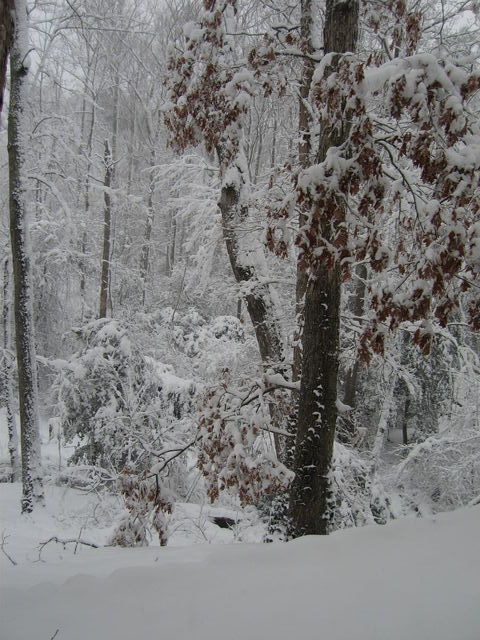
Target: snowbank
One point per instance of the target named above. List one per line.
(415, 579)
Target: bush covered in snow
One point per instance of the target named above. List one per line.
(442, 472)
(358, 497)
(115, 404)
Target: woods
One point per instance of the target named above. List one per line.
(254, 257)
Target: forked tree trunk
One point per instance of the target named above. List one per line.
(23, 307)
(317, 412)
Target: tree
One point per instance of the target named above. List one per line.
(7, 375)
(6, 35)
(21, 260)
(348, 193)
(209, 101)
(371, 116)
(317, 405)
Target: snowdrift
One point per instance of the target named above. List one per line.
(415, 579)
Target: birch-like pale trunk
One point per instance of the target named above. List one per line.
(247, 266)
(22, 275)
(147, 236)
(171, 252)
(86, 198)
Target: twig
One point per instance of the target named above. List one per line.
(78, 539)
(55, 634)
(75, 541)
(2, 547)
(179, 453)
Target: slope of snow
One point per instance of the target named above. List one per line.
(413, 579)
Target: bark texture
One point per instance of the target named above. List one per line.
(304, 160)
(258, 301)
(256, 294)
(7, 376)
(107, 233)
(23, 308)
(6, 37)
(317, 413)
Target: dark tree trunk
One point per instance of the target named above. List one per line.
(317, 413)
(7, 375)
(6, 36)
(304, 160)
(107, 233)
(23, 305)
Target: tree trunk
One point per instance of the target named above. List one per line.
(258, 301)
(84, 240)
(257, 298)
(170, 252)
(7, 375)
(317, 412)
(304, 160)
(353, 380)
(6, 35)
(23, 307)
(107, 232)
(145, 253)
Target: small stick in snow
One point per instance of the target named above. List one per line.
(78, 539)
(2, 547)
(75, 541)
(55, 634)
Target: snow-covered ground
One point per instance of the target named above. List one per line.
(415, 579)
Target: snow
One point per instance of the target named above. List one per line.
(415, 579)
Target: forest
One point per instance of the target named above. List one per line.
(240, 246)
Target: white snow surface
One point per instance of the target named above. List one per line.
(415, 579)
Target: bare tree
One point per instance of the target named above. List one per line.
(21, 261)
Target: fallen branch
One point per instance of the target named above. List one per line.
(66, 541)
(2, 547)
